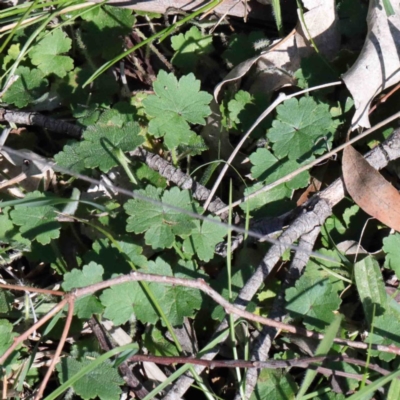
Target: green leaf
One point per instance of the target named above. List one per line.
(313, 299)
(123, 301)
(238, 104)
(10, 234)
(129, 298)
(92, 273)
(6, 298)
(203, 239)
(274, 385)
(101, 91)
(112, 259)
(314, 71)
(391, 246)
(268, 168)
(101, 140)
(29, 86)
(394, 390)
(272, 196)
(302, 129)
(388, 8)
(7, 337)
(189, 47)
(6, 226)
(329, 269)
(243, 110)
(158, 345)
(104, 29)
(367, 391)
(242, 47)
(70, 159)
(12, 54)
(322, 350)
(36, 223)
(179, 301)
(370, 287)
(386, 321)
(110, 17)
(175, 105)
(386, 332)
(103, 382)
(46, 55)
(160, 223)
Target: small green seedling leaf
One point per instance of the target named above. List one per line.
(174, 105)
(189, 47)
(302, 129)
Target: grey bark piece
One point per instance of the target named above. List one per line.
(377, 66)
(34, 118)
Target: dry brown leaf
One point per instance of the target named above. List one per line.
(235, 8)
(271, 72)
(378, 65)
(370, 190)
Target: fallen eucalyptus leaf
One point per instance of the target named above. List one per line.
(370, 190)
(378, 65)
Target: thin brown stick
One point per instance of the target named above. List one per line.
(384, 98)
(199, 284)
(32, 289)
(60, 346)
(271, 364)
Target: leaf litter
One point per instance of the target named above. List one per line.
(170, 120)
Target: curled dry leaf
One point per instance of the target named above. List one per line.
(378, 65)
(370, 190)
(285, 55)
(235, 8)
